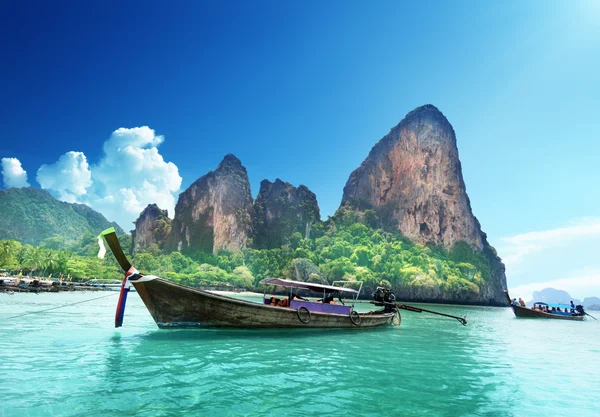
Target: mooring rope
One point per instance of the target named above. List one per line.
(65, 305)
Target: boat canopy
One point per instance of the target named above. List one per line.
(552, 304)
(305, 285)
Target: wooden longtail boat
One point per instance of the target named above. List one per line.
(173, 305)
(178, 306)
(525, 312)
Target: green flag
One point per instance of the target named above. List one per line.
(102, 250)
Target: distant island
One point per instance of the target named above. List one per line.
(405, 221)
(554, 296)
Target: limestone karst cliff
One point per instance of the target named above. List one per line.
(280, 209)
(410, 183)
(213, 213)
(412, 180)
(153, 227)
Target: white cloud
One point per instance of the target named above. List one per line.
(130, 175)
(564, 258)
(515, 249)
(133, 174)
(586, 283)
(68, 178)
(13, 174)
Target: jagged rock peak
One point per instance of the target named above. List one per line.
(427, 112)
(152, 227)
(213, 214)
(413, 179)
(279, 184)
(230, 160)
(420, 119)
(280, 210)
(153, 210)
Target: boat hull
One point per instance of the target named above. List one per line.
(529, 313)
(176, 306)
(536, 314)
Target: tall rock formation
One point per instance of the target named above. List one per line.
(280, 210)
(413, 180)
(214, 213)
(151, 228)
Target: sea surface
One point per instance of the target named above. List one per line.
(73, 362)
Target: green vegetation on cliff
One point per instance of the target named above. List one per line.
(31, 215)
(344, 247)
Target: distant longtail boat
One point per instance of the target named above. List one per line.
(535, 313)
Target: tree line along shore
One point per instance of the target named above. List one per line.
(344, 248)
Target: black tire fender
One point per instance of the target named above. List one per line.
(355, 318)
(303, 309)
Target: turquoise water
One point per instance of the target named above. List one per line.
(72, 362)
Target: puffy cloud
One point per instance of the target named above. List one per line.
(13, 174)
(68, 178)
(130, 175)
(137, 137)
(133, 174)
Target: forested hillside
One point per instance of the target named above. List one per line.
(31, 215)
(346, 247)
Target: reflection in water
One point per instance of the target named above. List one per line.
(431, 365)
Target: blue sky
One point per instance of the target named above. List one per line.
(301, 91)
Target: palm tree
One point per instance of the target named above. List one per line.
(8, 250)
(33, 259)
(49, 260)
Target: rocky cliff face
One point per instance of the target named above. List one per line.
(214, 213)
(280, 210)
(151, 228)
(413, 180)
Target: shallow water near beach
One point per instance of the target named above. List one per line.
(73, 362)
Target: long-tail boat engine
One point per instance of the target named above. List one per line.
(384, 297)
